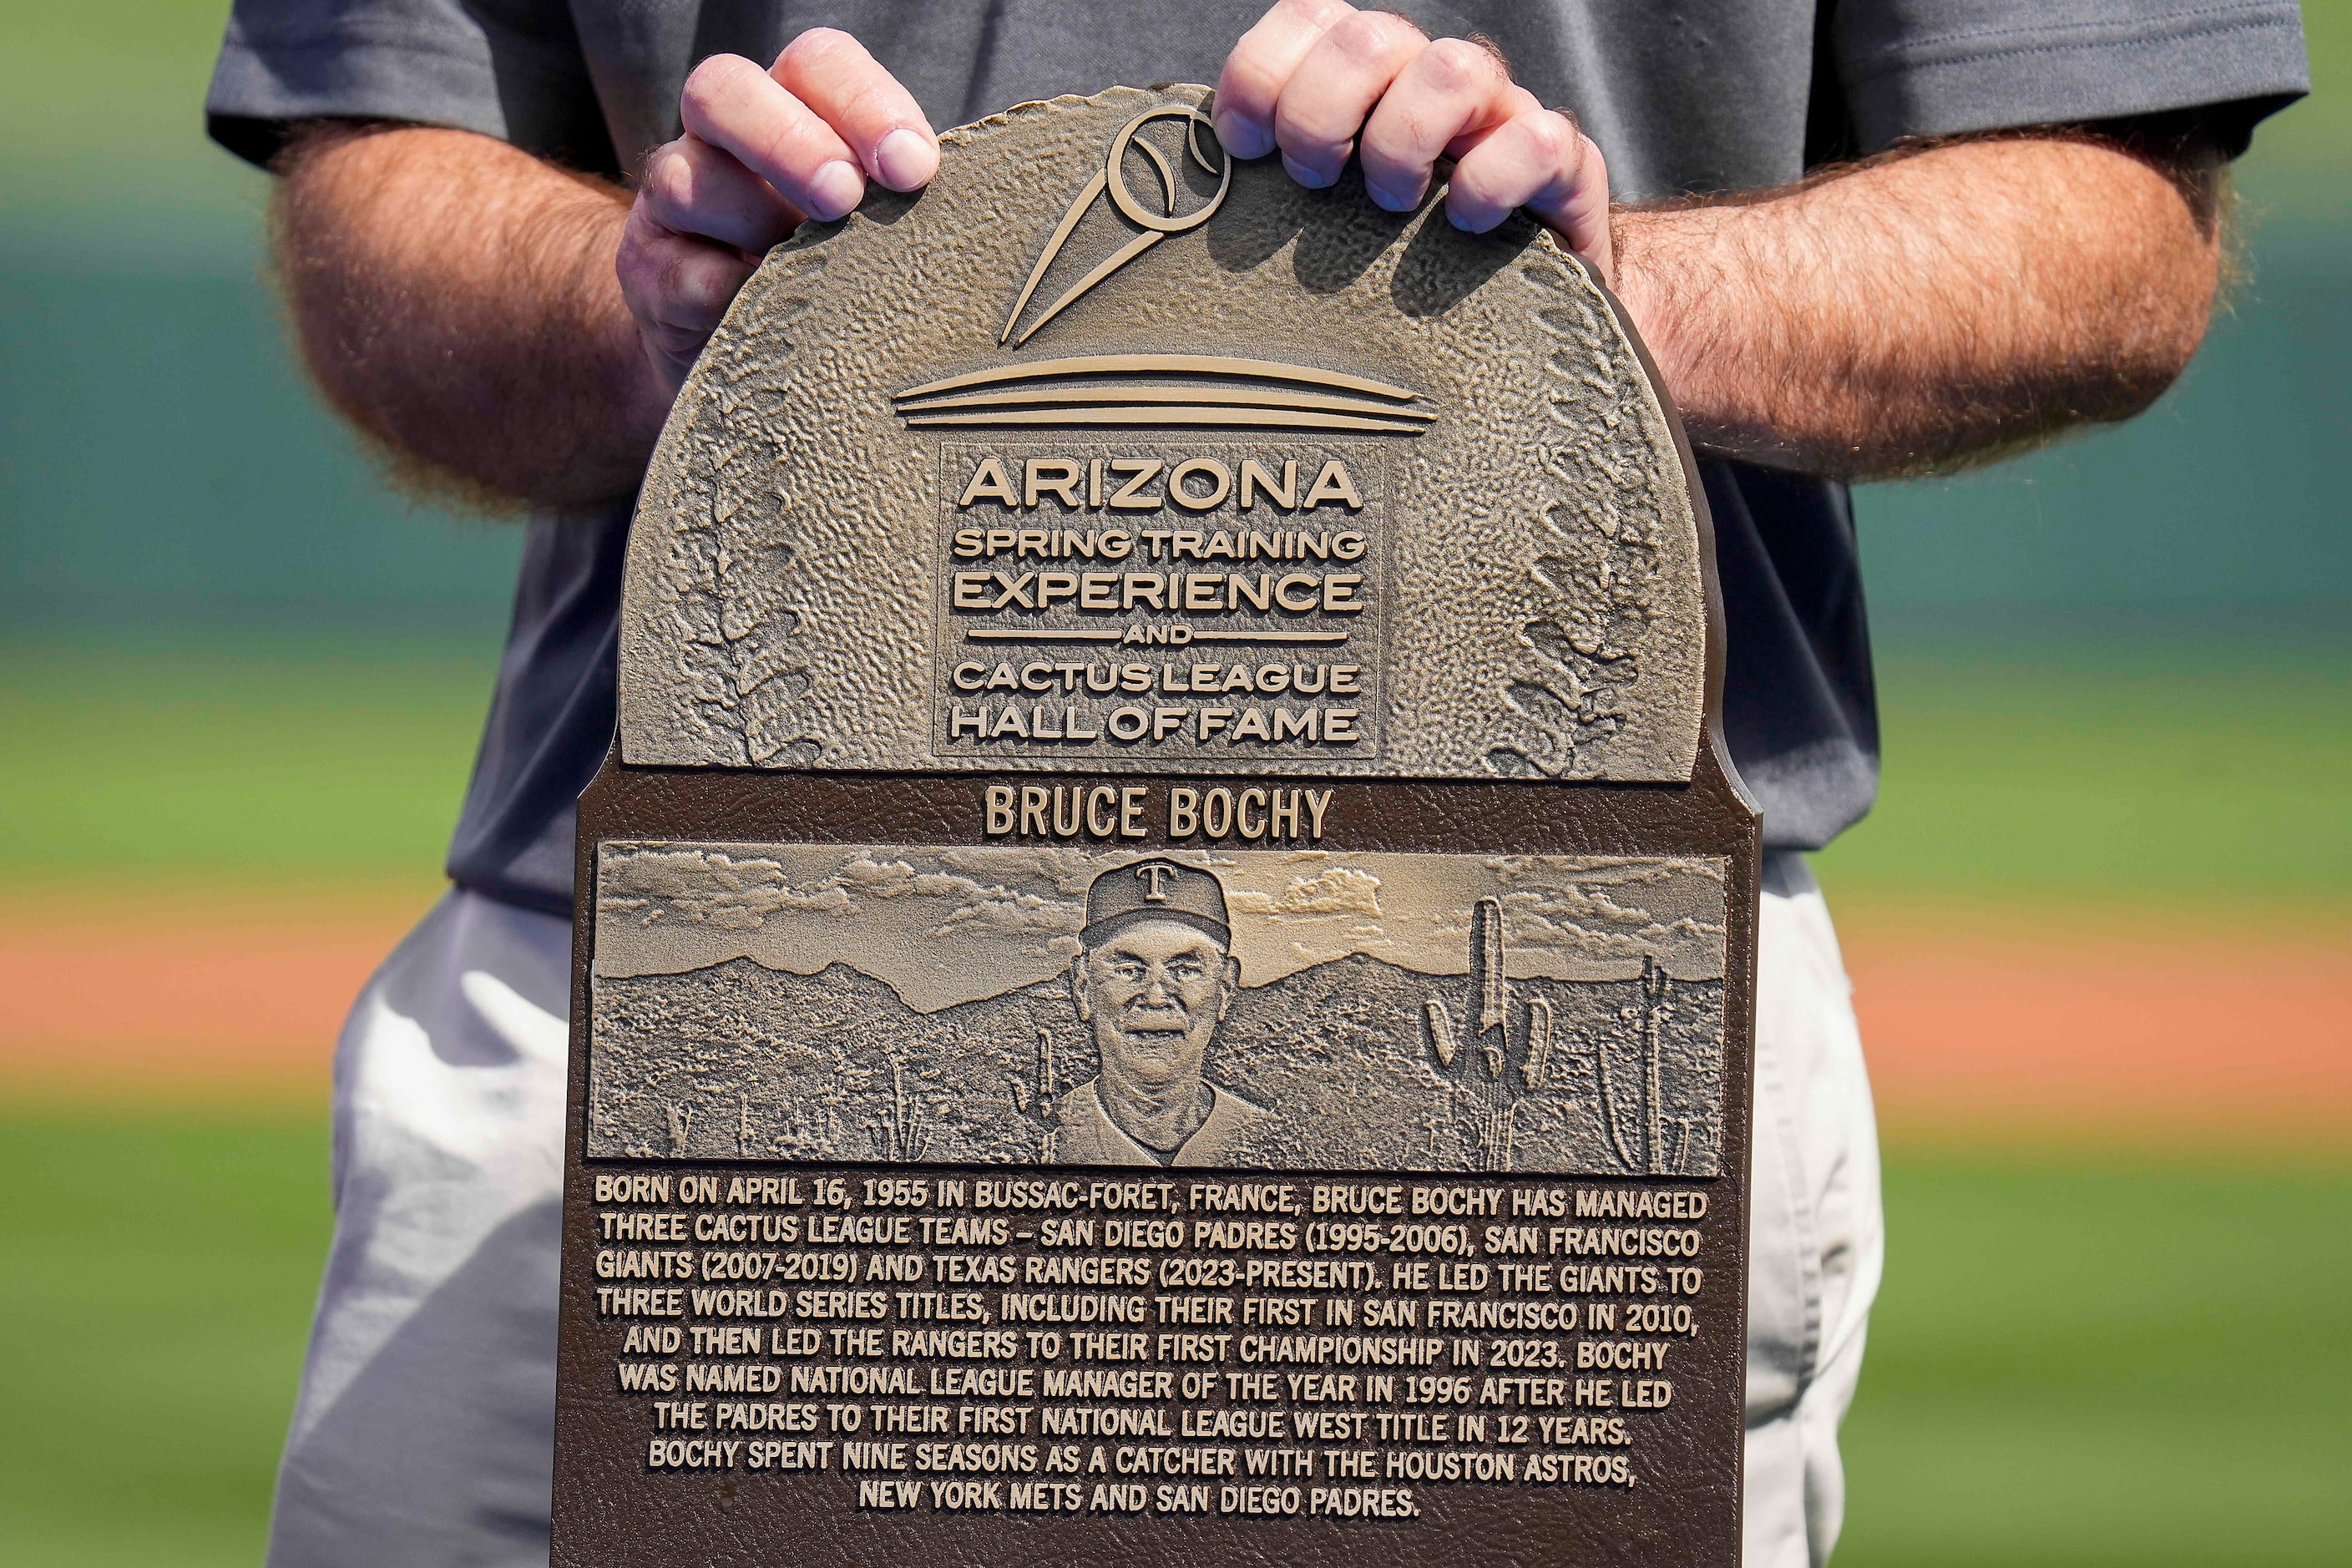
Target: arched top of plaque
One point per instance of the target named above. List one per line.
(1106, 454)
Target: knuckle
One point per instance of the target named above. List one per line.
(690, 287)
(796, 150)
(669, 278)
(779, 159)
(1549, 137)
(1362, 33)
(871, 100)
(1398, 140)
(1425, 139)
(1312, 138)
(666, 301)
(711, 86)
(670, 298)
(669, 178)
(816, 46)
(1455, 66)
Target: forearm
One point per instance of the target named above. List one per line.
(1911, 312)
(454, 298)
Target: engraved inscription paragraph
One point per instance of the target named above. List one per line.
(1159, 1347)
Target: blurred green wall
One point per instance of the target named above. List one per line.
(159, 453)
(159, 457)
(161, 460)
(2235, 490)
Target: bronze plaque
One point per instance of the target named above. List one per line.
(1165, 962)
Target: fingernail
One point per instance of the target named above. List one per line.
(1471, 224)
(834, 189)
(905, 161)
(1242, 137)
(1390, 199)
(1302, 174)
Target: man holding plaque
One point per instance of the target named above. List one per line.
(1873, 238)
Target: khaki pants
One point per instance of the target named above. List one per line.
(424, 1431)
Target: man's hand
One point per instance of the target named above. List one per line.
(1317, 78)
(762, 150)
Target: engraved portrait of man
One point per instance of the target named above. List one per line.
(1153, 978)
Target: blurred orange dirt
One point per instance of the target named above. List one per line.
(177, 995)
(2212, 1031)
(2228, 1032)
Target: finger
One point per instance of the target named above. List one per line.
(1261, 65)
(1450, 90)
(1323, 103)
(865, 105)
(735, 106)
(677, 286)
(1541, 160)
(692, 187)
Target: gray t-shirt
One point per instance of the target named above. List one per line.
(1681, 96)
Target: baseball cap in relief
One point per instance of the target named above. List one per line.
(1155, 890)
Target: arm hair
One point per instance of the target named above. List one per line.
(1937, 305)
(454, 298)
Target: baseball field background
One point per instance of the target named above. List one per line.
(2098, 925)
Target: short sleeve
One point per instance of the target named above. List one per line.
(508, 68)
(1940, 67)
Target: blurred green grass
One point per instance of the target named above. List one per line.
(2078, 1362)
(2103, 1363)
(257, 759)
(155, 1284)
(2192, 773)
(2087, 772)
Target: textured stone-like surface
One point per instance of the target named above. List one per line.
(1543, 591)
(913, 1005)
